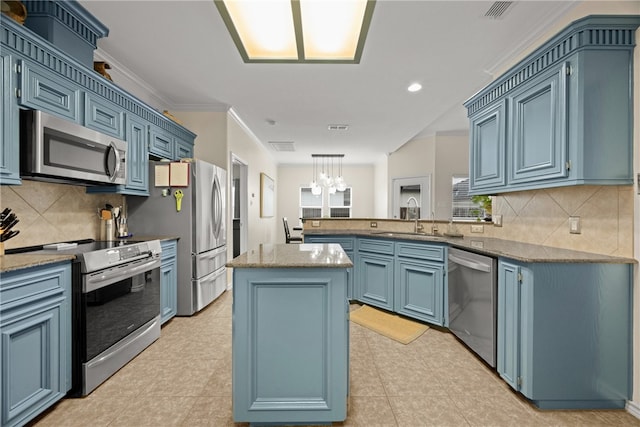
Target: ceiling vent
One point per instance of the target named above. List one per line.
(282, 145)
(338, 127)
(498, 9)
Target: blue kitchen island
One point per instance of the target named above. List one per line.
(290, 334)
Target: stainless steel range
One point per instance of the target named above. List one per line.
(115, 307)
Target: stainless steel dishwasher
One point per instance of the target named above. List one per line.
(473, 301)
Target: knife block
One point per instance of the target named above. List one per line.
(1, 248)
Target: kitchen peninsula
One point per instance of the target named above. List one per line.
(290, 334)
(563, 317)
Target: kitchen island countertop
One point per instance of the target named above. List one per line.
(303, 255)
(519, 251)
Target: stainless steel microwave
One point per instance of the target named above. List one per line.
(54, 149)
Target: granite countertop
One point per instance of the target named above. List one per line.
(305, 255)
(19, 261)
(525, 252)
(10, 262)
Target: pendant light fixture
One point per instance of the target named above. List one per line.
(326, 177)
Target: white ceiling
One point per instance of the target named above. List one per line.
(183, 51)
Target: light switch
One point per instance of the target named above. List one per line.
(574, 225)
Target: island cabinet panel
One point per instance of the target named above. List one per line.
(35, 332)
(348, 245)
(564, 333)
(290, 345)
(9, 149)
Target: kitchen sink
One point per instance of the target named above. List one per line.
(401, 233)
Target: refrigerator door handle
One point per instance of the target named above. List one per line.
(217, 207)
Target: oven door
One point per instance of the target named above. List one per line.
(120, 317)
(117, 301)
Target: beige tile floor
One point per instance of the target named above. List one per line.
(184, 379)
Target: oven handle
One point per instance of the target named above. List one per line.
(92, 283)
(471, 264)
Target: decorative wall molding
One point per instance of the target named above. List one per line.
(601, 32)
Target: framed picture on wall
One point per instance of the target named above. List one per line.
(267, 196)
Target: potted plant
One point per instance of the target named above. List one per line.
(485, 203)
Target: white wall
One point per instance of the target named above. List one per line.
(211, 131)
(243, 143)
(380, 181)
(291, 177)
(452, 154)
(418, 158)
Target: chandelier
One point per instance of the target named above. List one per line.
(324, 164)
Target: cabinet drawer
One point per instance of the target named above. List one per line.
(345, 242)
(379, 246)
(420, 251)
(161, 143)
(43, 90)
(24, 286)
(169, 249)
(183, 150)
(104, 116)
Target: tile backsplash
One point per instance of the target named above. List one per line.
(51, 212)
(542, 217)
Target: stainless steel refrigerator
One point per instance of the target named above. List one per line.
(199, 225)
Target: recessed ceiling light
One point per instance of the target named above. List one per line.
(414, 87)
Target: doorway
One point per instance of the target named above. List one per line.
(411, 198)
(239, 210)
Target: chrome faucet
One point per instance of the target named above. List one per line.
(416, 227)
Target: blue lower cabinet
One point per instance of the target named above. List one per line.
(375, 279)
(565, 333)
(168, 280)
(348, 245)
(290, 345)
(35, 332)
(419, 287)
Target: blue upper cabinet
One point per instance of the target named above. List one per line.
(40, 89)
(103, 116)
(538, 129)
(562, 116)
(9, 149)
(42, 75)
(488, 129)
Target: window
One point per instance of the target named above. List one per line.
(310, 204)
(463, 207)
(340, 204)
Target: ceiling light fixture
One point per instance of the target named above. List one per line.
(281, 31)
(414, 87)
(326, 179)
